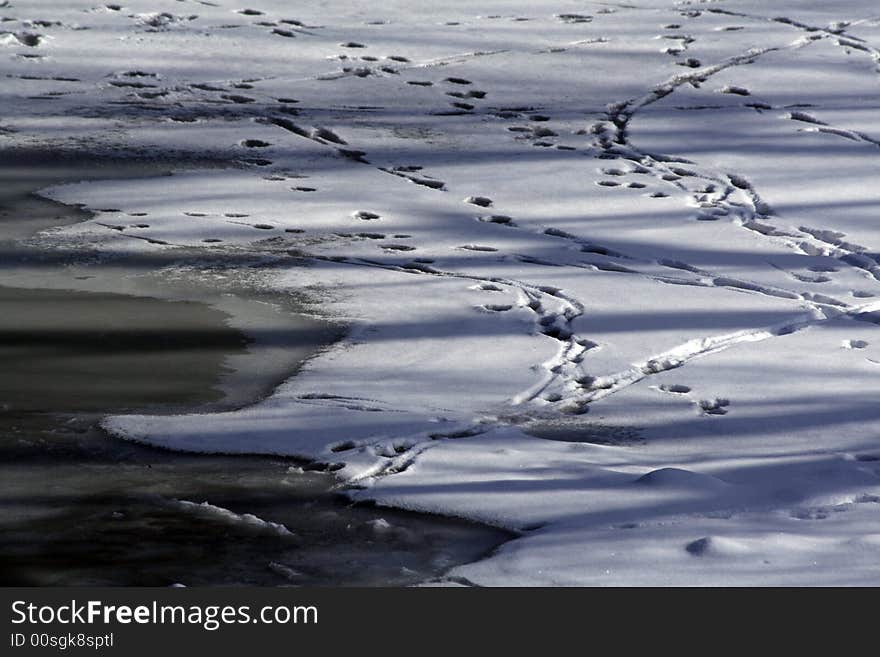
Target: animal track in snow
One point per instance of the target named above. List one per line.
(470, 93)
(161, 20)
(423, 180)
(823, 512)
(482, 201)
(29, 39)
(238, 99)
(675, 388)
(365, 215)
(699, 547)
(738, 91)
(326, 134)
(854, 344)
(715, 406)
(574, 18)
(501, 219)
(805, 118)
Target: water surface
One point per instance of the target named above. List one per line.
(83, 336)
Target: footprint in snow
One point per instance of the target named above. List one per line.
(854, 344)
(482, 201)
(327, 135)
(715, 406)
(486, 287)
(737, 91)
(470, 93)
(675, 388)
(574, 18)
(28, 39)
(501, 219)
(237, 98)
(365, 215)
(478, 247)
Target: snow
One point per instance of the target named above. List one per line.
(246, 520)
(645, 234)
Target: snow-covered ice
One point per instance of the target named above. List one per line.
(610, 272)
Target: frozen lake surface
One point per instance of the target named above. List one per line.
(610, 272)
(81, 507)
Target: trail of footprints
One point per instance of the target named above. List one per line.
(709, 406)
(714, 199)
(565, 383)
